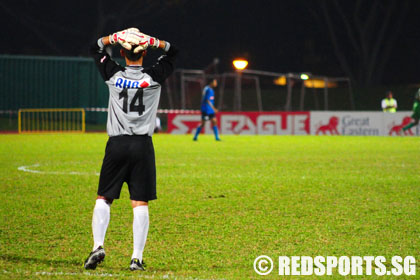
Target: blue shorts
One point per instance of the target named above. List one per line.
(206, 117)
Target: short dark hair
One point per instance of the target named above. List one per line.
(210, 80)
(131, 55)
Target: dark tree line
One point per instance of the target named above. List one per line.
(363, 34)
(103, 17)
(354, 38)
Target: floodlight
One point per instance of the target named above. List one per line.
(240, 64)
(304, 76)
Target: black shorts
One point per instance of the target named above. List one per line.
(206, 117)
(130, 159)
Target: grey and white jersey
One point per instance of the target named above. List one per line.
(133, 102)
(134, 92)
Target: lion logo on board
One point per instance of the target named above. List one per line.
(330, 127)
(397, 129)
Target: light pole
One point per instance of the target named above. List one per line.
(239, 64)
(304, 77)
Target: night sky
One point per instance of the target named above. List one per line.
(281, 36)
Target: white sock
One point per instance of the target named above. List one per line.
(140, 230)
(100, 221)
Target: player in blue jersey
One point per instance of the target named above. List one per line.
(208, 111)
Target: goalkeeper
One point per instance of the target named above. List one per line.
(416, 112)
(134, 94)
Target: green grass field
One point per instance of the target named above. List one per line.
(220, 205)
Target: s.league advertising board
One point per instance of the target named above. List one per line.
(245, 123)
(298, 123)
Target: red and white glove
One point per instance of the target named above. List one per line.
(153, 42)
(126, 38)
(145, 42)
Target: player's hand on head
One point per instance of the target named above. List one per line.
(133, 30)
(152, 41)
(127, 38)
(132, 38)
(143, 43)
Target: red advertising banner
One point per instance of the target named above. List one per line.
(245, 123)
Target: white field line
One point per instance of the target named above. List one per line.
(110, 275)
(29, 168)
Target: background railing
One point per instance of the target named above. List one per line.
(74, 82)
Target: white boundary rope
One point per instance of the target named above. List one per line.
(98, 109)
(8, 112)
(160, 111)
(29, 168)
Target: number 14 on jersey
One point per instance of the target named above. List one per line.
(133, 107)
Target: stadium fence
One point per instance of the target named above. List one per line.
(74, 82)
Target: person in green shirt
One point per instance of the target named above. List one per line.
(416, 112)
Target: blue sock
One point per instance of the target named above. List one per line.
(197, 131)
(216, 132)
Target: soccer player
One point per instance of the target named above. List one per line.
(208, 110)
(134, 94)
(416, 112)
